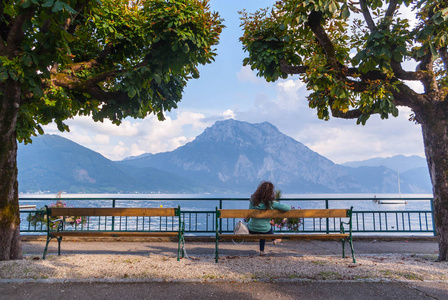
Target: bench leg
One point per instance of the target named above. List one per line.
(59, 238)
(49, 238)
(216, 250)
(183, 249)
(179, 247)
(350, 241)
(178, 250)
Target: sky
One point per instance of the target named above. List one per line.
(226, 90)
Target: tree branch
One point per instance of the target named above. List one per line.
(85, 65)
(405, 96)
(351, 114)
(74, 84)
(2, 31)
(444, 56)
(101, 95)
(104, 76)
(429, 81)
(405, 75)
(314, 23)
(392, 8)
(16, 35)
(288, 69)
(425, 63)
(367, 16)
(2, 46)
(70, 27)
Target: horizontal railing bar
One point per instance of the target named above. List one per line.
(218, 199)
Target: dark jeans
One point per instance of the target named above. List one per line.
(263, 241)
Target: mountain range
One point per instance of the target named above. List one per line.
(229, 157)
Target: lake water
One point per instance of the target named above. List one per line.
(211, 201)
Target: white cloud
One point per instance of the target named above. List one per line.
(245, 74)
(119, 150)
(288, 94)
(102, 139)
(135, 150)
(338, 139)
(228, 114)
(135, 137)
(126, 128)
(343, 140)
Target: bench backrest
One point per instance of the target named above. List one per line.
(274, 213)
(130, 212)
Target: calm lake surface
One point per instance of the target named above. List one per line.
(209, 202)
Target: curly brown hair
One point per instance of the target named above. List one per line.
(264, 194)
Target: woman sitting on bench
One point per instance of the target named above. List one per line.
(264, 198)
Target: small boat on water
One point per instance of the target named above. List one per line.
(27, 206)
(392, 201)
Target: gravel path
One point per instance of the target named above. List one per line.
(406, 267)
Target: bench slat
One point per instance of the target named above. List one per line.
(294, 236)
(274, 213)
(113, 233)
(134, 212)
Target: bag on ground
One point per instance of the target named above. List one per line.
(241, 228)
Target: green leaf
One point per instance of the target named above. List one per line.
(26, 3)
(333, 7)
(421, 52)
(157, 78)
(433, 50)
(48, 3)
(397, 56)
(395, 111)
(13, 75)
(439, 20)
(345, 12)
(185, 48)
(57, 7)
(132, 92)
(69, 8)
(3, 75)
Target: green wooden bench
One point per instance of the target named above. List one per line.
(59, 230)
(295, 213)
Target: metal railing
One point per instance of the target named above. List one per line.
(369, 215)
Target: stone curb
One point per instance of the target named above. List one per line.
(286, 280)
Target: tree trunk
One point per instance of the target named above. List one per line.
(10, 243)
(434, 123)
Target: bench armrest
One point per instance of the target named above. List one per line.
(342, 227)
(60, 224)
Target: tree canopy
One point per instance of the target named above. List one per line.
(358, 59)
(351, 55)
(109, 59)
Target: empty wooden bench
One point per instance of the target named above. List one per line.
(295, 213)
(112, 226)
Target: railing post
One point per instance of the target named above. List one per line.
(113, 217)
(220, 220)
(328, 220)
(434, 229)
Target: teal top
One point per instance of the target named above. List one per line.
(263, 225)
